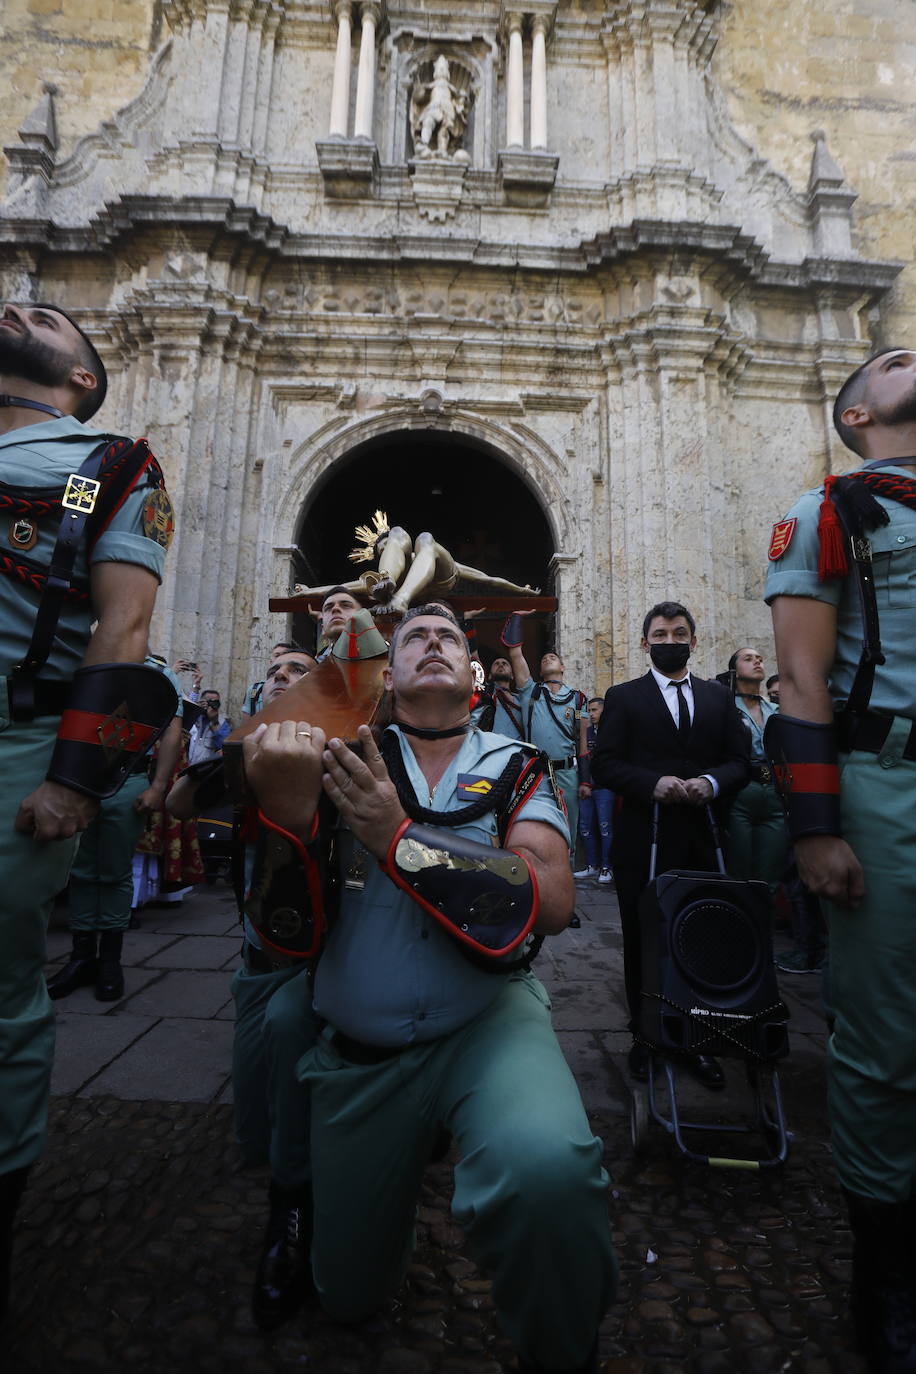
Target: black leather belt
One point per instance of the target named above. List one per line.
(260, 961)
(359, 1053)
(50, 697)
(568, 762)
(869, 733)
(761, 772)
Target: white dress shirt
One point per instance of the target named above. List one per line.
(668, 688)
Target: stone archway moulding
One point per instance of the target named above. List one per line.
(533, 462)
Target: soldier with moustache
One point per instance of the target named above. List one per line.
(85, 523)
(844, 750)
(432, 1019)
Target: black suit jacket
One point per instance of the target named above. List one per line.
(638, 743)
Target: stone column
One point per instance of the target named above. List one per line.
(515, 111)
(340, 91)
(365, 81)
(539, 82)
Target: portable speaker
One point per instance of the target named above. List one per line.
(708, 984)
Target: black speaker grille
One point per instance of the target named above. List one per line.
(716, 944)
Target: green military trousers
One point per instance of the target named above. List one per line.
(274, 1027)
(758, 846)
(872, 1059)
(101, 880)
(31, 874)
(567, 779)
(530, 1191)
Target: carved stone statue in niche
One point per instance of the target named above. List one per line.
(439, 114)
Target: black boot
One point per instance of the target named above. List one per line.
(590, 1366)
(884, 1282)
(80, 971)
(12, 1186)
(110, 984)
(284, 1276)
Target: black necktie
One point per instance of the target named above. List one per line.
(683, 714)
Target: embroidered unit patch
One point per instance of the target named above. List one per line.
(471, 786)
(781, 538)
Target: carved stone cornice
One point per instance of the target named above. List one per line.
(527, 176)
(349, 166)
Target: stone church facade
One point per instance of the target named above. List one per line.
(588, 248)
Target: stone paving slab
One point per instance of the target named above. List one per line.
(179, 1060)
(83, 1050)
(197, 951)
(140, 1231)
(181, 993)
(85, 1003)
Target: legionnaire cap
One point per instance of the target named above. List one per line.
(94, 399)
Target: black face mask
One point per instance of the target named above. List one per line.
(669, 658)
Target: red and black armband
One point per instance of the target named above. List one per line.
(486, 898)
(511, 632)
(284, 901)
(114, 715)
(803, 756)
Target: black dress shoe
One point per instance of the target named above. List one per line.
(705, 1070)
(638, 1062)
(284, 1276)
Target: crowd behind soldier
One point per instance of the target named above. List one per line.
(332, 1047)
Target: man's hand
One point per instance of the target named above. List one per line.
(669, 790)
(283, 766)
(829, 868)
(363, 793)
(55, 812)
(151, 799)
(585, 791)
(699, 791)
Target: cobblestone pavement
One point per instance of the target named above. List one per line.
(139, 1230)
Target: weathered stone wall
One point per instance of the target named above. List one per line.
(95, 51)
(846, 68)
(653, 342)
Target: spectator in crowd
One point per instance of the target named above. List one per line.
(101, 880)
(673, 740)
(596, 813)
(187, 665)
(757, 840)
(252, 703)
(772, 686)
(417, 1036)
(209, 731)
(555, 718)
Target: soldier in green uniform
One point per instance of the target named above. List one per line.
(101, 879)
(103, 534)
(555, 720)
(844, 749)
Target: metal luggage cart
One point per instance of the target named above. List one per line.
(708, 960)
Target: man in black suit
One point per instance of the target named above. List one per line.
(677, 740)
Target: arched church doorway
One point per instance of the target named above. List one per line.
(458, 488)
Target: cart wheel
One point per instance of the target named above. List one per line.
(639, 1121)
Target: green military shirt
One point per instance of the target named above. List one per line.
(42, 456)
(893, 546)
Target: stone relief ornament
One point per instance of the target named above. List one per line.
(439, 112)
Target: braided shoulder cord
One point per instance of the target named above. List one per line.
(31, 575)
(857, 491)
(495, 800)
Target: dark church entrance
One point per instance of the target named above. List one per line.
(458, 489)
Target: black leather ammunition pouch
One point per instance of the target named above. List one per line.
(486, 898)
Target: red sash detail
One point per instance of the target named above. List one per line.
(89, 727)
